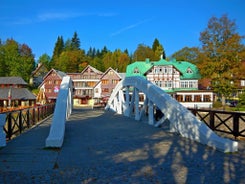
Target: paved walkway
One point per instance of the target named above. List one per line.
(101, 147)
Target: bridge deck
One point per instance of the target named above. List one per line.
(102, 147)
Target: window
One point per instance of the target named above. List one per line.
(170, 71)
(188, 98)
(197, 98)
(56, 82)
(104, 81)
(191, 84)
(136, 70)
(179, 98)
(184, 84)
(189, 70)
(114, 81)
(206, 98)
(167, 84)
(106, 90)
(242, 82)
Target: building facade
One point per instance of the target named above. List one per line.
(38, 74)
(107, 83)
(84, 84)
(50, 86)
(177, 78)
(14, 93)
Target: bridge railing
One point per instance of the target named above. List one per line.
(13, 123)
(63, 109)
(180, 119)
(231, 123)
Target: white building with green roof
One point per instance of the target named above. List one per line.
(178, 78)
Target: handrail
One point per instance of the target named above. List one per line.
(228, 122)
(63, 109)
(15, 122)
(181, 119)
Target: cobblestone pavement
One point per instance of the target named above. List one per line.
(102, 147)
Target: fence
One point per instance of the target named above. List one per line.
(20, 120)
(231, 123)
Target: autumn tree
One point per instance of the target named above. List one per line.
(117, 60)
(158, 50)
(142, 52)
(220, 54)
(69, 61)
(187, 54)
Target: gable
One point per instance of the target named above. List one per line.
(91, 70)
(138, 68)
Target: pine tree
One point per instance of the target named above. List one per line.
(58, 49)
(75, 42)
(158, 50)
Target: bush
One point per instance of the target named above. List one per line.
(217, 104)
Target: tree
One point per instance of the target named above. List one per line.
(123, 62)
(16, 59)
(10, 55)
(75, 42)
(220, 54)
(58, 49)
(158, 50)
(69, 61)
(45, 60)
(142, 52)
(27, 62)
(97, 63)
(187, 54)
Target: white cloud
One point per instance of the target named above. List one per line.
(52, 16)
(126, 28)
(57, 16)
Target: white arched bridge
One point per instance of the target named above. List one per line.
(125, 100)
(136, 97)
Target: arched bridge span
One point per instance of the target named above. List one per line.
(125, 99)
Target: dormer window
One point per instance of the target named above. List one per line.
(189, 70)
(136, 70)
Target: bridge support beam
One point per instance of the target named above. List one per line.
(126, 109)
(151, 113)
(136, 104)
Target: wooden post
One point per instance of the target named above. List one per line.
(236, 125)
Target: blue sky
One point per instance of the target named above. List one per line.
(114, 24)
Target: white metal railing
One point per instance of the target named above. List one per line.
(181, 119)
(63, 109)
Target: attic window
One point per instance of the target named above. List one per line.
(189, 70)
(136, 70)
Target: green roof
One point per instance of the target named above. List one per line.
(182, 66)
(141, 66)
